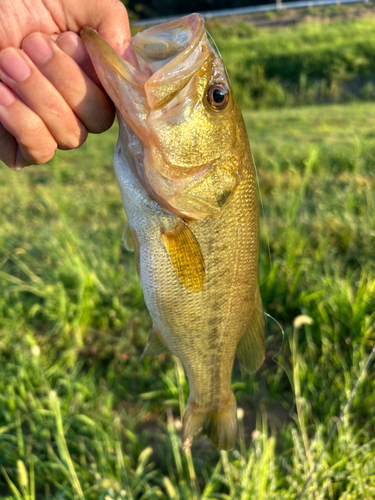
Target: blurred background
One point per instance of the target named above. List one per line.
(81, 415)
(149, 9)
(158, 8)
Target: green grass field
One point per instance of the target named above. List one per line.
(82, 416)
(312, 62)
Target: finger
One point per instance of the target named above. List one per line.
(114, 27)
(88, 102)
(20, 74)
(24, 138)
(9, 150)
(108, 17)
(71, 44)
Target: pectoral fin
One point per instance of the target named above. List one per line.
(154, 345)
(250, 349)
(127, 238)
(186, 256)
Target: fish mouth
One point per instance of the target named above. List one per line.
(159, 90)
(171, 53)
(167, 57)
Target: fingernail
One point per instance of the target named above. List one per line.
(14, 66)
(6, 96)
(38, 49)
(71, 44)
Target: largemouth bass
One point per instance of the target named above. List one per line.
(187, 180)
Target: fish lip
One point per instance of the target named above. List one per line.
(90, 37)
(177, 68)
(196, 31)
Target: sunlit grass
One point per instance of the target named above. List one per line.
(82, 416)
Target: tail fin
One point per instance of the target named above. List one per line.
(219, 425)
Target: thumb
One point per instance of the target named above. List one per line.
(114, 25)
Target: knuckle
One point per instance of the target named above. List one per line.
(8, 147)
(64, 131)
(43, 156)
(64, 83)
(102, 121)
(37, 144)
(34, 128)
(74, 137)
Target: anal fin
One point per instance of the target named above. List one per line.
(154, 345)
(251, 349)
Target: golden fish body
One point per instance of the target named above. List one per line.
(187, 180)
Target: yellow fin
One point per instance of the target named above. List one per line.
(127, 238)
(186, 256)
(220, 426)
(154, 345)
(250, 349)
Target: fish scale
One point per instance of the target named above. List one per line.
(194, 231)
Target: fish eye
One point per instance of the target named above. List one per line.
(218, 96)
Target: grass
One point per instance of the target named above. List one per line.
(309, 63)
(82, 416)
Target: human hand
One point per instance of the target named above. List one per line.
(49, 95)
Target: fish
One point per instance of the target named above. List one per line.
(188, 184)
